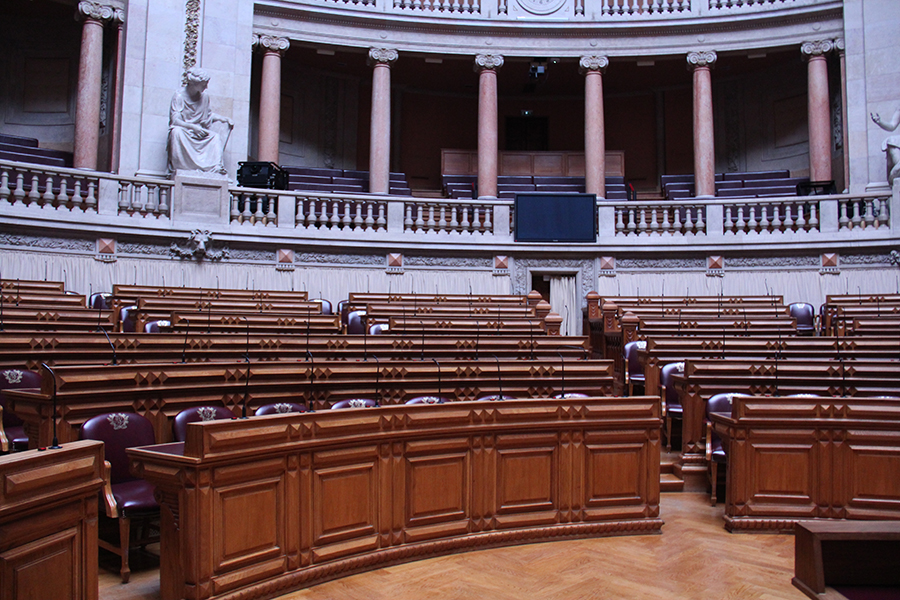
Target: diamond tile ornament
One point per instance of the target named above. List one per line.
(395, 259)
(285, 256)
(830, 259)
(607, 263)
(106, 246)
(715, 262)
(501, 262)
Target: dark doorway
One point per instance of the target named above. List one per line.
(527, 134)
(541, 283)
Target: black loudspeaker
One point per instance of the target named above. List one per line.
(262, 175)
(564, 218)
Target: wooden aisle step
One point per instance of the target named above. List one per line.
(668, 480)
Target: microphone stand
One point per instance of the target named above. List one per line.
(377, 380)
(246, 389)
(434, 360)
(562, 362)
(184, 345)
(55, 445)
(422, 325)
(112, 347)
(312, 377)
(208, 318)
(499, 378)
(477, 332)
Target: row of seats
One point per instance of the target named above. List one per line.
(753, 184)
(463, 186)
(28, 150)
(320, 179)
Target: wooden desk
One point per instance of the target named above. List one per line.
(829, 555)
(255, 508)
(48, 522)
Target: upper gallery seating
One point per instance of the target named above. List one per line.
(320, 179)
(755, 184)
(27, 150)
(463, 186)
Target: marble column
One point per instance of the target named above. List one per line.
(819, 109)
(486, 66)
(594, 127)
(841, 49)
(704, 142)
(115, 119)
(90, 72)
(381, 60)
(270, 95)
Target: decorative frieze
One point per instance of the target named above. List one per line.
(488, 62)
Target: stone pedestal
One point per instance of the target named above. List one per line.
(200, 199)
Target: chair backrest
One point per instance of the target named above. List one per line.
(195, 414)
(126, 318)
(14, 379)
(326, 305)
(568, 395)
(805, 315)
(342, 310)
(632, 364)
(100, 300)
(355, 403)
(495, 398)
(157, 326)
(119, 431)
(280, 408)
(720, 403)
(356, 322)
(667, 378)
(379, 328)
(426, 400)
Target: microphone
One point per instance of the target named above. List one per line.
(746, 322)
(19, 288)
(531, 340)
(99, 315)
(662, 309)
(840, 357)
(184, 345)
(365, 321)
(499, 378)
(55, 445)
(217, 286)
(247, 353)
(307, 326)
(422, 325)
(723, 342)
(563, 379)
(110, 345)
(499, 317)
(377, 380)
(434, 360)
(470, 297)
(246, 389)
(567, 319)
(679, 323)
(477, 332)
(208, 317)
(312, 377)
(584, 352)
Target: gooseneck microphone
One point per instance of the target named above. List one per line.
(562, 383)
(434, 360)
(111, 345)
(377, 380)
(55, 445)
(499, 378)
(246, 389)
(184, 345)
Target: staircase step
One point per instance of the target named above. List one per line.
(670, 483)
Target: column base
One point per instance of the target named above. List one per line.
(487, 197)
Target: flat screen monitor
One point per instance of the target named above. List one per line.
(548, 217)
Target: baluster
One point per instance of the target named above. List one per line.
(34, 194)
(488, 226)
(48, 190)
(358, 220)
(776, 217)
(857, 213)
(445, 5)
(700, 224)
(90, 203)
(729, 223)
(164, 200)
(245, 214)
(381, 221)
(270, 214)
(235, 200)
(442, 222)
(454, 224)
(688, 220)
(431, 224)
(420, 223)
(370, 216)
(152, 199)
(631, 224)
(789, 221)
(76, 194)
(346, 221)
(63, 197)
(465, 225)
(654, 224)
(843, 221)
(752, 223)
(800, 221)
(396, 4)
(501, 7)
(4, 184)
(884, 212)
(642, 226)
(869, 218)
(455, 6)
(19, 192)
(676, 225)
(620, 219)
(644, 6)
(604, 10)
(880, 216)
(665, 223)
(417, 4)
(335, 219)
(764, 217)
(476, 219)
(408, 221)
(579, 7)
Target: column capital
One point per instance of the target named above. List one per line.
(271, 43)
(95, 11)
(385, 56)
(592, 63)
(701, 58)
(486, 62)
(840, 46)
(816, 48)
(118, 16)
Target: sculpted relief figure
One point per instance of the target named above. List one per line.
(197, 136)
(891, 144)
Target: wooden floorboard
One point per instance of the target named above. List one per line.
(693, 558)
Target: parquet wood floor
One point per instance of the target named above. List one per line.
(694, 558)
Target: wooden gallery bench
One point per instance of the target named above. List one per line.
(797, 459)
(159, 391)
(288, 501)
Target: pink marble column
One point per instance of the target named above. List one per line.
(486, 65)
(270, 95)
(840, 47)
(380, 133)
(115, 134)
(90, 67)
(819, 109)
(594, 127)
(704, 142)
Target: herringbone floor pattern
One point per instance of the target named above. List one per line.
(693, 558)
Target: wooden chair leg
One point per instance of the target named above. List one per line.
(124, 542)
(713, 481)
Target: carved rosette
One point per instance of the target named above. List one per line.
(702, 58)
(592, 63)
(95, 11)
(382, 56)
(271, 43)
(488, 62)
(816, 48)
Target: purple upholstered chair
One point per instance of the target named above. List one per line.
(196, 414)
(379, 328)
(280, 408)
(570, 395)
(127, 497)
(159, 326)
(715, 451)
(634, 373)
(12, 430)
(355, 403)
(325, 304)
(806, 317)
(356, 322)
(495, 398)
(127, 322)
(100, 300)
(426, 400)
(671, 404)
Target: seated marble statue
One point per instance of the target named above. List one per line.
(891, 144)
(195, 142)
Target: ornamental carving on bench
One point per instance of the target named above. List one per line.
(198, 247)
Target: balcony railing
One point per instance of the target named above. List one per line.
(43, 193)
